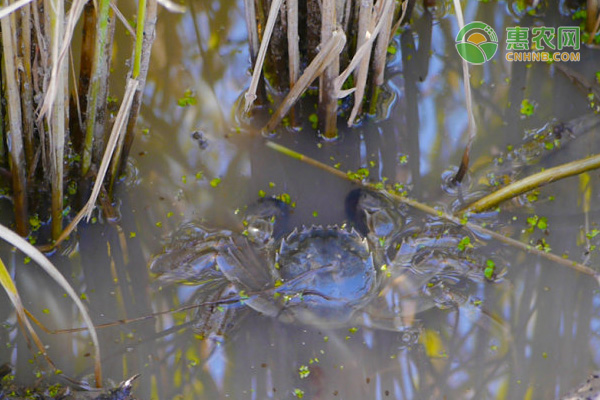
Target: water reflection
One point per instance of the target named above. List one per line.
(537, 334)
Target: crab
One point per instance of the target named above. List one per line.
(377, 272)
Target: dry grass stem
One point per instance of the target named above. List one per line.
(20, 243)
(13, 295)
(13, 7)
(330, 50)
(250, 95)
(400, 20)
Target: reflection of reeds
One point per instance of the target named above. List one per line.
(58, 125)
(309, 28)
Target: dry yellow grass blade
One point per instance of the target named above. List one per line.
(23, 245)
(11, 290)
(13, 7)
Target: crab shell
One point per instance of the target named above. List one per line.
(324, 275)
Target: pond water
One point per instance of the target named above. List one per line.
(535, 334)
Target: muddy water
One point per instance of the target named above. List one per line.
(535, 334)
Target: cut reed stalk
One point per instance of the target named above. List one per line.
(293, 41)
(16, 149)
(330, 50)
(57, 126)
(96, 97)
(328, 94)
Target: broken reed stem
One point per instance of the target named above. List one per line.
(250, 95)
(331, 49)
(293, 41)
(437, 213)
(464, 165)
(98, 89)
(328, 93)
(533, 182)
(17, 153)
(383, 40)
(56, 124)
(365, 49)
(365, 24)
(146, 37)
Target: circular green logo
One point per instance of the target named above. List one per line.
(476, 42)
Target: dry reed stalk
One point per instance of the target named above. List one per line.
(250, 15)
(365, 24)
(27, 107)
(59, 59)
(10, 8)
(145, 34)
(293, 41)
(329, 50)
(57, 125)
(95, 111)
(17, 153)
(327, 90)
(117, 131)
(364, 50)
(250, 95)
(380, 53)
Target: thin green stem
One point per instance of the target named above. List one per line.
(437, 213)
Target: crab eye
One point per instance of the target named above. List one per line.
(260, 230)
(380, 223)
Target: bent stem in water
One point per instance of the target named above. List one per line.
(438, 213)
(534, 181)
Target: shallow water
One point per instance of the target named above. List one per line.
(536, 333)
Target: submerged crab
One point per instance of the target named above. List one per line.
(376, 273)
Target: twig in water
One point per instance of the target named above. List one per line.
(438, 213)
(534, 181)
